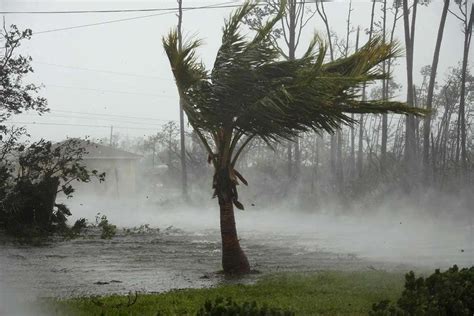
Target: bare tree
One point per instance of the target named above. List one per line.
(360, 154)
(429, 98)
(333, 149)
(352, 154)
(383, 147)
(386, 84)
(467, 30)
(410, 142)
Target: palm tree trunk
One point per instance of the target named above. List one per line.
(234, 260)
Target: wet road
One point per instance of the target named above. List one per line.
(149, 262)
(152, 260)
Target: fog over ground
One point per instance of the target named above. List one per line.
(399, 231)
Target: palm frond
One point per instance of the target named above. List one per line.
(253, 91)
(186, 69)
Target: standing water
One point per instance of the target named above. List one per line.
(180, 248)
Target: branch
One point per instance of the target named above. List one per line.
(237, 154)
(457, 16)
(235, 140)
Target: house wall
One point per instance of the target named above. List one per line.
(120, 178)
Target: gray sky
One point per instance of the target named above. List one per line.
(120, 69)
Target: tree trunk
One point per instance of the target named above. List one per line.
(429, 98)
(339, 160)
(462, 116)
(290, 160)
(383, 147)
(410, 146)
(352, 155)
(360, 155)
(332, 159)
(234, 260)
(360, 148)
(292, 25)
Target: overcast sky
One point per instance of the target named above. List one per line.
(120, 70)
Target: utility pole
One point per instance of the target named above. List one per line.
(184, 176)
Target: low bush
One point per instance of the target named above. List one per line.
(227, 307)
(443, 293)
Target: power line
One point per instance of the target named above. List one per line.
(229, 4)
(78, 125)
(96, 119)
(112, 115)
(168, 10)
(218, 6)
(110, 91)
(98, 23)
(102, 71)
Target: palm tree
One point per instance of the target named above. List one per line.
(253, 92)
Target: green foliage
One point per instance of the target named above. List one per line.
(28, 205)
(108, 230)
(15, 96)
(31, 175)
(227, 307)
(322, 293)
(252, 90)
(443, 293)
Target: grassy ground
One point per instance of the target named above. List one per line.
(323, 293)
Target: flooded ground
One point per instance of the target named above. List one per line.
(185, 251)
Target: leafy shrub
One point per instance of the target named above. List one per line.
(140, 230)
(29, 189)
(79, 226)
(227, 307)
(443, 293)
(108, 230)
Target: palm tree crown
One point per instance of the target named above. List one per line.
(252, 92)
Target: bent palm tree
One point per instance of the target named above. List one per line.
(252, 92)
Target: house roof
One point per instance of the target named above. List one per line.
(98, 151)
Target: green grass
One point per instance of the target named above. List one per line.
(322, 293)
